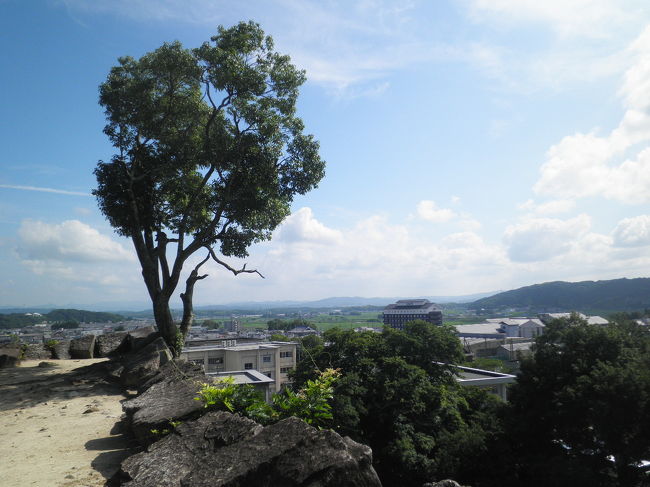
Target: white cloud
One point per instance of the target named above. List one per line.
(301, 226)
(547, 208)
(586, 18)
(632, 232)
(70, 241)
(540, 239)
(584, 165)
(44, 190)
(429, 211)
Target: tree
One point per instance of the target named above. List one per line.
(210, 154)
(584, 399)
(395, 396)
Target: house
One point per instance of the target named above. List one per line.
(273, 359)
(592, 320)
(480, 330)
(514, 351)
(259, 381)
(495, 382)
(396, 315)
(301, 331)
(522, 327)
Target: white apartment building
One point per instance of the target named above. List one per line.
(273, 359)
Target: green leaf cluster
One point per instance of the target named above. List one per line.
(311, 403)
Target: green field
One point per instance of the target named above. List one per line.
(322, 321)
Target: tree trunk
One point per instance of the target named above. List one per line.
(166, 326)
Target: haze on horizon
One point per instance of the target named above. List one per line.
(471, 146)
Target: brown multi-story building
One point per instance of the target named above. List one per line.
(396, 315)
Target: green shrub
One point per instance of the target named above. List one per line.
(311, 403)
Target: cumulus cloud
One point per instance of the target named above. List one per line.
(588, 164)
(632, 232)
(547, 208)
(540, 239)
(429, 211)
(301, 226)
(70, 241)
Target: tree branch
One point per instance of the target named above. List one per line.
(243, 270)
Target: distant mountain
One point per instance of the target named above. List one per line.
(339, 302)
(612, 295)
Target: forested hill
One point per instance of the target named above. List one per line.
(613, 295)
(18, 320)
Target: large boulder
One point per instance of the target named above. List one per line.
(141, 337)
(142, 365)
(220, 449)
(161, 403)
(175, 370)
(61, 350)
(111, 344)
(36, 351)
(83, 347)
(8, 361)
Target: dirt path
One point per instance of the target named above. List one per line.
(59, 426)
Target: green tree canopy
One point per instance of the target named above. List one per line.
(584, 399)
(209, 155)
(397, 395)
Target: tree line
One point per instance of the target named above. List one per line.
(579, 413)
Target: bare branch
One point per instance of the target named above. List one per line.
(243, 270)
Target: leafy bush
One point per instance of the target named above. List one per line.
(310, 403)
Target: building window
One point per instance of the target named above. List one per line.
(269, 375)
(286, 354)
(285, 370)
(215, 360)
(248, 365)
(197, 361)
(266, 359)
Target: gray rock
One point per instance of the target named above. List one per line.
(61, 350)
(220, 449)
(142, 365)
(83, 347)
(442, 483)
(141, 337)
(8, 361)
(175, 370)
(36, 351)
(111, 344)
(11, 350)
(164, 401)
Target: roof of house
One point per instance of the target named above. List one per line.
(480, 329)
(517, 346)
(243, 376)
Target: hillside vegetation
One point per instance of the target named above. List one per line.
(613, 295)
(18, 320)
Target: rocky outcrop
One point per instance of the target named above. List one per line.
(36, 351)
(111, 344)
(61, 350)
(141, 337)
(160, 403)
(221, 449)
(8, 361)
(443, 483)
(83, 347)
(143, 365)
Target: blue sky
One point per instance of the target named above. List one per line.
(472, 145)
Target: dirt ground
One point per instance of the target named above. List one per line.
(59, 426)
